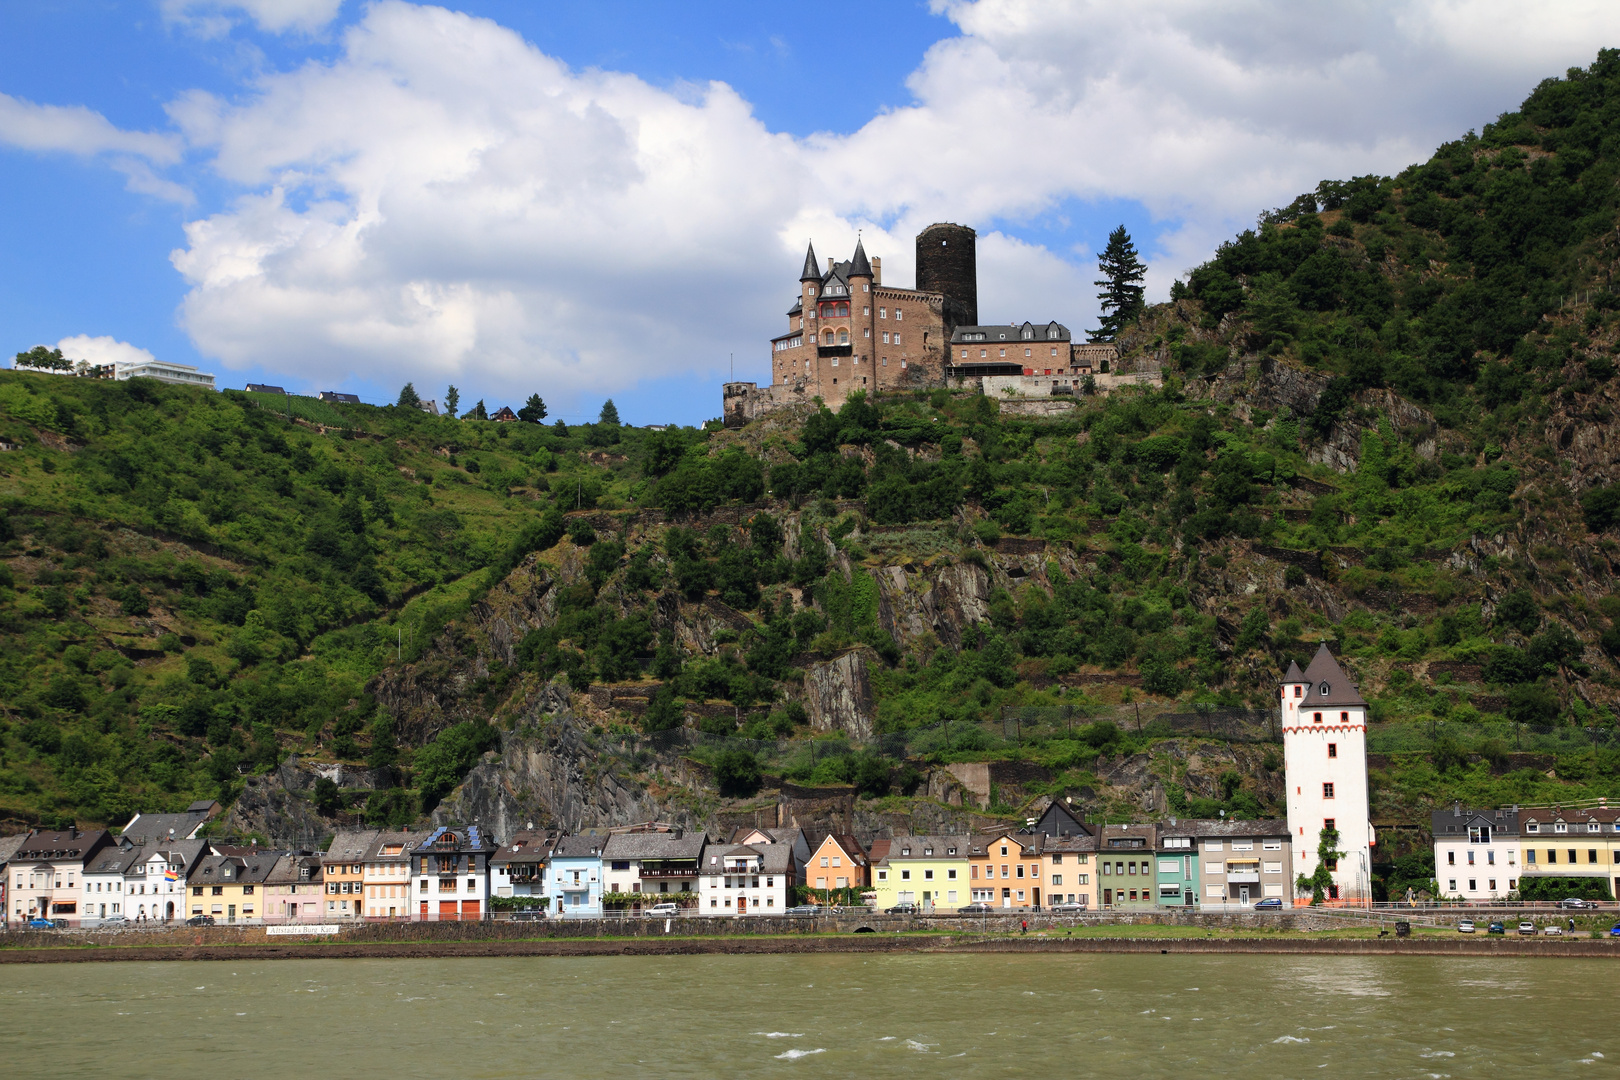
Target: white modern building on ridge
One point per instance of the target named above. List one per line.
(163, 371)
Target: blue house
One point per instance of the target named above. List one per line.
(575, 884)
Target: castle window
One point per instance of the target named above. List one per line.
(885, 337)
(984, 352)
(1054, 350)
(843, 337)
(1327, 791)
(1344, 718)
(866, 286)
(1003, 352)
(1026, 353)
(1297, 690)
(897, 314)
(1333, 749)
(897, 338)
(866, 311)
(964, 354)
(868, 332)
(1318, 716)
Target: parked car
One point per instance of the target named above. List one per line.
(115, 921)
(902, 909)
(1552, 931)
(59, 924)
(1527, 927)
(200, 920)
(1496, 928)
(1067, 908)
(1270, 903)
(979, 907)
(1614, 931)
(664, 910)
(528, 914)
(804, 909)
(1465, 926)
(1575, 902)
(41, 924)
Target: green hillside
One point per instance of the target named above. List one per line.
(1387, 423)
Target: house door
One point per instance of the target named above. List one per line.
(230, 913)
(424, 909)
(1006, 898)
(1037, 896)
(1108, 897)
(742, 905)
(168, 911)
(1243, 895)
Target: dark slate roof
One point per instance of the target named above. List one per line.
(1325, 671)
(578, 847)
(526, 846)
(1066, 844)
(1029, 844)
(183, 853)
(860, 266)
(812, 268)
(351, 845)
(9, 846)
(288, 867)
(1058, 820)
(1217, 828)
(333, 395)
(653, 845)
(774, 858)
(997, 334)
(797, 308)
(399, 839)
(912, 847)
(261, 388)
(57, 844)
(1455, 821)
(1294, 674)
(158, 826)
(251, 869)
(115, 860)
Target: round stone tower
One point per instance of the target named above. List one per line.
(947, 262)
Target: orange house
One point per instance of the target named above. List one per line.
(839, 862)
(1004, 869)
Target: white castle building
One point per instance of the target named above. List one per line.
(1324, 726)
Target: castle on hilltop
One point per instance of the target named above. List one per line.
(849, 331)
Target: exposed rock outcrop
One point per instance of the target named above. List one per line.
(838, 693)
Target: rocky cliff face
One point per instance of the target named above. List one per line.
(838, 694)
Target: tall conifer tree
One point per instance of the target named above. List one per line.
(1121, 284)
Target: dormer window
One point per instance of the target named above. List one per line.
(1325, 689)
(1593, 826)
(1531, 826)
(905, 851)
(1560, 827)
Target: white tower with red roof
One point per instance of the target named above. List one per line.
(1324, 728)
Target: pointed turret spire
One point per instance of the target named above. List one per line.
(811, 271)
(859, 266)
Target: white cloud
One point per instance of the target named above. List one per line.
(443, 201)
(74, 129)
(102, 350)
(214, 18)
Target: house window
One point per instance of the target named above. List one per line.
(1493, 884)
(1451, 858)
(1327, 791)
(905, 875)
(1530, 856)
(1451, 885)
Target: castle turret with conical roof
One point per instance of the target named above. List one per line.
(811, 271)
(1324, 729)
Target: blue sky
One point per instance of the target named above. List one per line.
(399, 191)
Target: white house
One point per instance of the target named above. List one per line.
(155, 884)
(1476, 852)
(519, 867)
(46, 872)
(746, 879)
(103, 883)
(1324, 726)
(450, 874)
(658, 865)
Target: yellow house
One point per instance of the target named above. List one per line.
(230, 887)
(928, 871)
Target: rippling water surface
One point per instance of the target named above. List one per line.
(1134, 1017)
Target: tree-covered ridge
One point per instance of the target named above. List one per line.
(1445, 281)
(197, 585)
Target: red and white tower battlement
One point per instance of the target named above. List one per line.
(1324, 729)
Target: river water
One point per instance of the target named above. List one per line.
(1132, 1017)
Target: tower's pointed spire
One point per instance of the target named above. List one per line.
(859, 266)
(811, 271)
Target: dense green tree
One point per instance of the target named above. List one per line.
(408, 398)
(533, 411)
(610, 414)
(452, 400)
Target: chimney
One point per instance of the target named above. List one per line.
(1456, 809)
(877, 271)
(829, 264)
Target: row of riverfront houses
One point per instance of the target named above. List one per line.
(159, 869)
